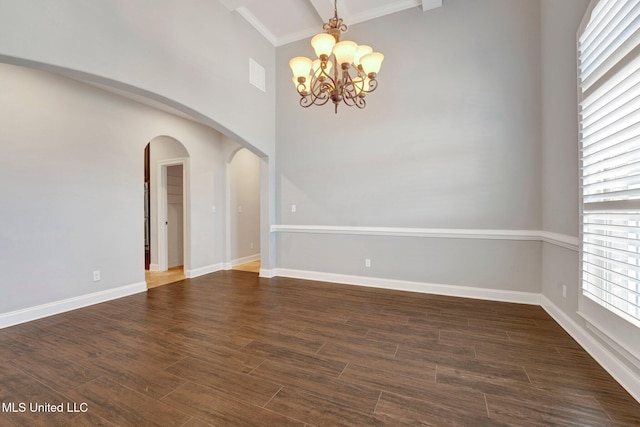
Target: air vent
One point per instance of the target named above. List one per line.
(257, 75)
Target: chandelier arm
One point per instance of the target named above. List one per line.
(309, 100)
(351, 90)
(321, 72)
(319, 94)
(354, 100)
(358, 101)
(373, 85)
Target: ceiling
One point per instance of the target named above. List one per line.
(286, 21)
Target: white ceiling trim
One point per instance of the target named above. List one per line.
(324, 9)
(294, 37)
(258, 25)
(382, 11)
(327, 12)
(431, 4)
(233, 4)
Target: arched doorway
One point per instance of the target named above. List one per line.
(167, 211)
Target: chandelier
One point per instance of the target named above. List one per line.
(354, 69)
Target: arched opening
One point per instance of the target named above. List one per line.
(167, 211)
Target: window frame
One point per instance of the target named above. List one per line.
(619, 333)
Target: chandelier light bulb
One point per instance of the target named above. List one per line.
(360, 52)
(323, 44)
(372, 62)
(344, 52)
(300, 66)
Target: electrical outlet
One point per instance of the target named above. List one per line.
(96, 276)
(564, 291)
(367, 262)
(239, 209)
(251, 245)
(213, 209)
(294, 208)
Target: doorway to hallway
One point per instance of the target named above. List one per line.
(167, 257)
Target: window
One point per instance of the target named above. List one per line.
(609, 80)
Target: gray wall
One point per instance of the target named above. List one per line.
(71, 181)
(560, 214)
(175, 52)
(245, 206)
(451, 139)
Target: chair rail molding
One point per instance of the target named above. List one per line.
(562, 240)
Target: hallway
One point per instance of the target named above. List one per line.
(159, 278)
(252, 267)
(176, 274)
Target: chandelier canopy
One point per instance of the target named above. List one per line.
(354, 73)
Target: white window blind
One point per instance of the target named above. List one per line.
(609, 78)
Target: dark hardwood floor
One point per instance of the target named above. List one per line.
(230, 349)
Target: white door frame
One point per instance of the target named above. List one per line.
(161, 193)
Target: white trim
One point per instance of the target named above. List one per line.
(267, 273)
(196, 272)
(257, 24)
(618, 346)
(294, 37)
(431, 4)
(324, 9)
(57, 307)
(562, 240)
(427, 288)
(396, 6)
(628, 379)
(154, 267)
(349, 19)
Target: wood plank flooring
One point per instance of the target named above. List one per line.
(231, 349)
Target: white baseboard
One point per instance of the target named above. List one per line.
(154, 267)
(621, 373)
(196, 272)
(267, 273)
(57, 307)
(428, 288)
